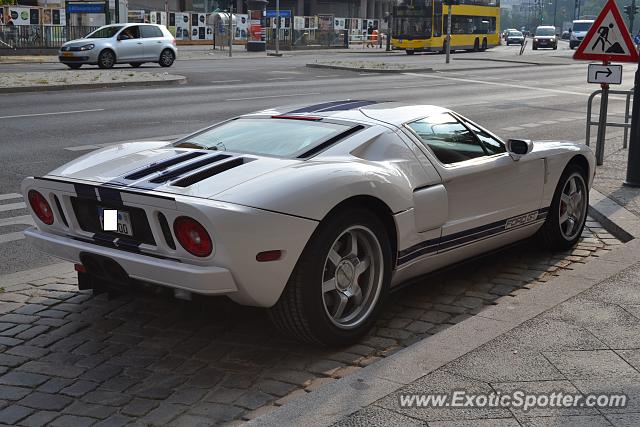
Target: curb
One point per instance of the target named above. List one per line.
(370, 70)
(614, 218)
(180, 80)
(331, 403)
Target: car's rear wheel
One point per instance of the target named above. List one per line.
(74, 66)
(135, 64)
(106, 59)
(568, 211)
(409, 52)
(339, 282)
(166, 58)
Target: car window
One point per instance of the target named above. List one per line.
(581, 26)
(271, 137)
(104, 32)
(491, 144)
(148, 31)
(450, 140)
(545, 32)
(132, 32)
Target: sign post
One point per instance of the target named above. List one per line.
(633, 160)
(448, 50)
(607, 40)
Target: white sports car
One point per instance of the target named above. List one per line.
(314, 212)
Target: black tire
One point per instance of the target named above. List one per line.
(535, 47)
(166, 58)
(555, 47)
(551, 235)
(484, 45)
(74, 66)
(409, 52)
(302, 310)
(106, 59)
(135, 64)
(476, 45)
(507, 43)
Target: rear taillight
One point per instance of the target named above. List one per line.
(192, 236)
(40, 207)
(173, 42)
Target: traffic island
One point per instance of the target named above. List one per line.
(83, 79)
(372, 67)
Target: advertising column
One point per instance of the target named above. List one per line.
(256, 41)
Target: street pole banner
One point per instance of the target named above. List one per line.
(605, 74)
(608, 39)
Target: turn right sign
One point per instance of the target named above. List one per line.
(608, 39)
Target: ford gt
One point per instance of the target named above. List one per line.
(314, 212)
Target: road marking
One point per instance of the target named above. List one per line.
(52, 114)
(544, 89)
(548, 122)
(530, 125)
(11, 237)
(285, 72)
(12, 206)
(10, 196)
(17, 220)
(226, 81)
(273, 96)
(280, 78)
(512, 129)
(424, 86)
(326, 77)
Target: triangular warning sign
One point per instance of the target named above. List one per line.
(608, 39)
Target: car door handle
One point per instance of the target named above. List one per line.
(139, 42)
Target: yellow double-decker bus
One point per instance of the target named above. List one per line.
(421, 25)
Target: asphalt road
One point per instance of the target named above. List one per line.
(40, 131)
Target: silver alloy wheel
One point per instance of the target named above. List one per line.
(572, 206)
(352, 277)
(166, 58)
(107, 59)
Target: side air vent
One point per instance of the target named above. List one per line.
(175, 173)
(209, 172)
(166, 231)
(329, 142)
(156, 167)
(59, 206)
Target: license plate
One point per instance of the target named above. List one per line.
(67, 54)
(123, 222)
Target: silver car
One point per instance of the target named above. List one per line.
(121, 43)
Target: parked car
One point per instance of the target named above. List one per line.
(578, 31)
(314, 212)
(134, 44)
(515, 37)
(545, 36)
(506, 32)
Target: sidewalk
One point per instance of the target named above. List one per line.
(578, 333)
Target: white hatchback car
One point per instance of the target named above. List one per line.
(134, 44)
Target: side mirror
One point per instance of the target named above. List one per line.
(519, 147)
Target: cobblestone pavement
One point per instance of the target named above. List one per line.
(68, 358)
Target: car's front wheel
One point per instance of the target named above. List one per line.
(339, 282)
(106, 59)
(568, 211)
(166, 58)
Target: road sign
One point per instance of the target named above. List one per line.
(609, 74)
(608, 39)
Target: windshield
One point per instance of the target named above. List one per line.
(582, 26)
(105, 32)
(412, 27)
(515, 33)
(270, 137)
(545, 32)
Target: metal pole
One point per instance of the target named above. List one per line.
(602, 122)
(389, 29)
(230, 28)
(277, 27)
(633, 161)
(631, 18)
(448, 50)
(555, 11)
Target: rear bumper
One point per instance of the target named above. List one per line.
(203, 280)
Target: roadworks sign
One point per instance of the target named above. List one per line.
(608, 39)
